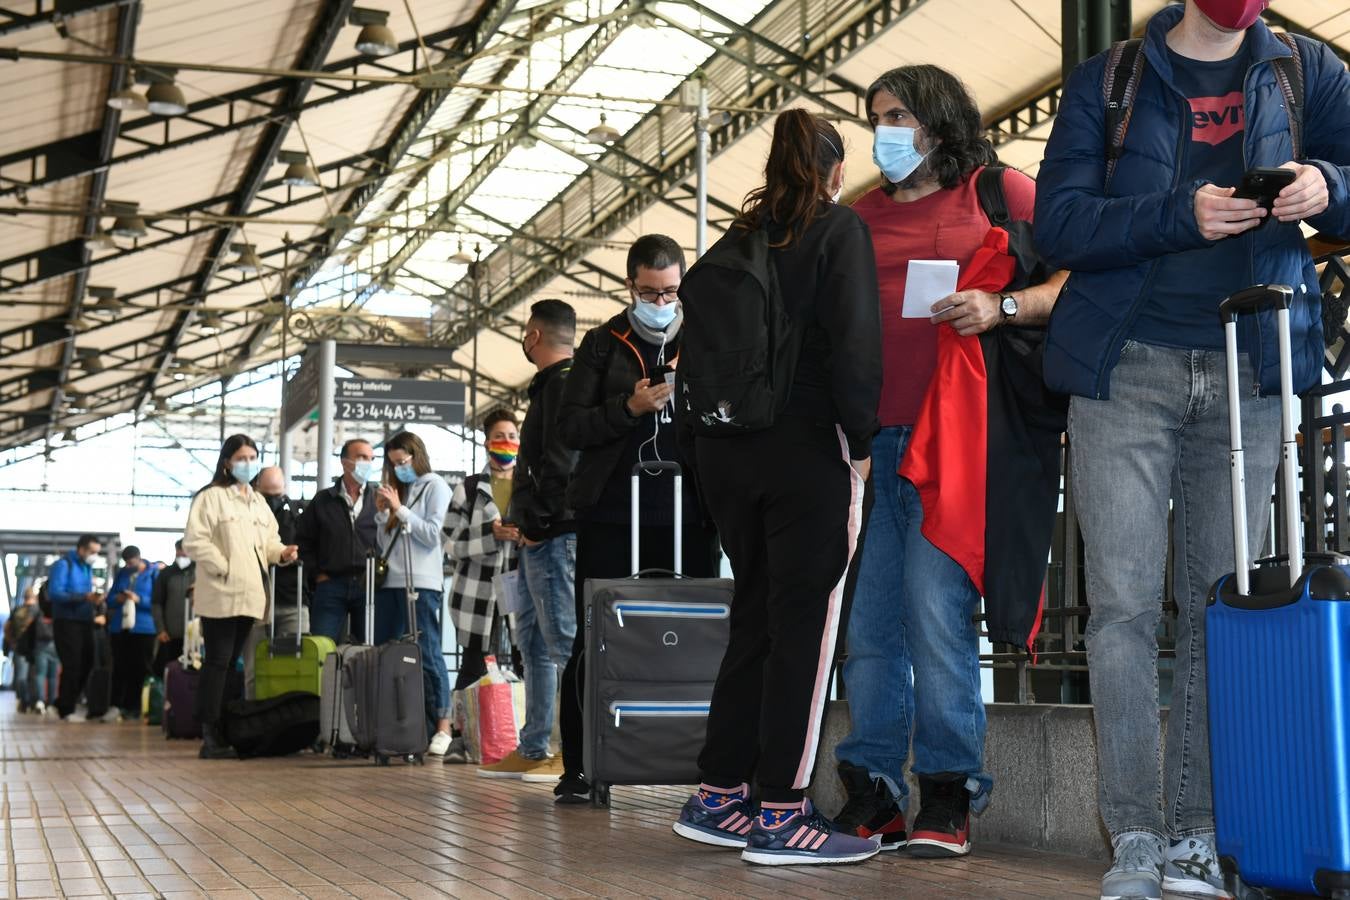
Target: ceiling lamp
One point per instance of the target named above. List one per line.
(210, 324)
(69, 436)
(375, 38)
(604, 133)
(106, 298)
(100, 240)
(161, 405)
(459, 257)
(247, 261)
(128, 99)
(127, 221)
(90, 359)
(74, 401)
(299, 173)
(164, 98)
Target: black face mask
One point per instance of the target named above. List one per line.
(276, 503)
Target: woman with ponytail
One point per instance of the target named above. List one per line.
(788, 503)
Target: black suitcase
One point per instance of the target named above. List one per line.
(654, 643)
(276, 726)
(98, 692)
(387, 706)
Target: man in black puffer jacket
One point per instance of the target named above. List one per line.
(617, 411)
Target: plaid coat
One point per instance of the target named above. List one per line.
(477, 556)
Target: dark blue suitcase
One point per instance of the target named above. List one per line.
(1279, 685)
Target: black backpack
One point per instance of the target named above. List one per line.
(739, 345)
(45, 599)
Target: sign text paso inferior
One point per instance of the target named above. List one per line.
(400, 400)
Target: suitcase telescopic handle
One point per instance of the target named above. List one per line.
(272, 608)
(636, 510)
(1253, 299)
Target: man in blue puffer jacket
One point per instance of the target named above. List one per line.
(70, 585)
(1136, 339)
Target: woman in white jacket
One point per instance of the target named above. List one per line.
(232, 536)
(412, 504)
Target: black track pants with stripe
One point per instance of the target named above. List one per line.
(789, 510)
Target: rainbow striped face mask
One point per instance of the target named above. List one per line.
(503, 453)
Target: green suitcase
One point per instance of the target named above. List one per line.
(294, 663)
(152, 701)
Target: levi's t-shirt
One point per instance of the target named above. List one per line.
(1182, 309)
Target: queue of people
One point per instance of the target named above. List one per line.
(824, 531)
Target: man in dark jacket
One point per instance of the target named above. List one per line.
(169, 605)
(546, 628)
(70, 585)
(617, 411)
(288, 604)
(336, 534)
(1154, 245)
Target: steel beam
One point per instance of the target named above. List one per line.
(51, 12)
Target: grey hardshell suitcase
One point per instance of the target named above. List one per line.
(654, 643)
(387, 704)
(335, 728)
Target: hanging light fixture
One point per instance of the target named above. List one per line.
(604, 133)
(161, 405)
(127, 221)
(69, 436)
(74, 401)
(375, 38)
(128, 99)
(163, 98)
(210, 324)
(100, 240)
(247, 261)
(459, 257)
(90, 359)
(299, 173)
(106, 300)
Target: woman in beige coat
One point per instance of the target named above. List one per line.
(232, 536)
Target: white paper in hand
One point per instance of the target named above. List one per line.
(928, 281)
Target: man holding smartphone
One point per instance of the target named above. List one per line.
(335, 534)
(617, 411)
(1156, 236)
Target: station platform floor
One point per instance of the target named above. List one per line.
(115, 810)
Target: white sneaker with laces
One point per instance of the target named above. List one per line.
(439, 744)
(75, 717)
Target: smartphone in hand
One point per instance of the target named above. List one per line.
(1264, 184)
(661, 375)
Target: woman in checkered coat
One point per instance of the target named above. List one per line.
(481, 545)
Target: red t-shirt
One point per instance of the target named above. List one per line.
(947, 224)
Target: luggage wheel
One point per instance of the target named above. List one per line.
(600, 796)
(414, 759)
(381, 760)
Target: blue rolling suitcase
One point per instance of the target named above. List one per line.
(1278, 652)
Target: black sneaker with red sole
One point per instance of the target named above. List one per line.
(871, 810)
(942, 827)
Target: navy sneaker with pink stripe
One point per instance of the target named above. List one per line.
(803, 837)
(720, 818)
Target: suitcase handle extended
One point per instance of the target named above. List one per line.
(272, 609)
(1250, 300)
(408, 583)
(635, 512)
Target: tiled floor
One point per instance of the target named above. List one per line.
(99, 810)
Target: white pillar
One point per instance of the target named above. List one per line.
(701, 129)
(327, 390)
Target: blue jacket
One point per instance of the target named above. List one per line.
(69, 580)
(1112, 241)
(145, 610)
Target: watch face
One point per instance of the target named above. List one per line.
(1009, 306)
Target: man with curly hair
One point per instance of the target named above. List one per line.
(914, 604)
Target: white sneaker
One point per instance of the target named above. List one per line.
(113, 715)
(1191, 869)
(75, 717)
(40, 708)
(439, 744)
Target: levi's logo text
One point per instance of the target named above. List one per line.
(1216, 119)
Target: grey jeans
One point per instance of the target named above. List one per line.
(1162, 435)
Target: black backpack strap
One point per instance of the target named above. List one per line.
(1289, 75)
(1124, 65)
(994, 202)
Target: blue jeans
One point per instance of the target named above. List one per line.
(334, 601)
(1162, 436)
(42, 674)
(391, 621)
(544, 632)
(913, 665)
(22, 689)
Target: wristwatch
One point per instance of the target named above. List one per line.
(1008, 305)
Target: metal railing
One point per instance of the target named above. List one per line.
(1059, 672)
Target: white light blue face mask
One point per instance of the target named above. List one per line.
(894, 152)
(362, 469)
(245, 470)
(655, 317)
(405, 473)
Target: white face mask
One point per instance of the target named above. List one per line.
(182, 562)
(834, 198)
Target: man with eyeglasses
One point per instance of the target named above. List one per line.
(617, 411)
